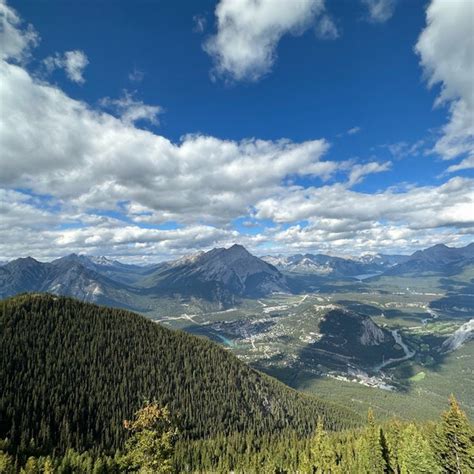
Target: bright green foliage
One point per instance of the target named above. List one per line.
(150, 447)
(321, 455)
(369, 453)
(392, 436)
(6, 463)
(415, 454)
(48, 467)
(454, 444)
(31, 466)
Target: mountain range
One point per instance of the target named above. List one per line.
(326, 265)
(224, 276)
(439, 259)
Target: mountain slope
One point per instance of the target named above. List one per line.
(439, 259)
(350, 338)
(70, 276)
(71, 372)
(220, 275)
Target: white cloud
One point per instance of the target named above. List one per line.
(131, 110)
(354, 130)
(95, 160)
(424, 207)
(379, 10)
(88, 162)
(446, 49)
(343, 237)
(15, 40)
(326, 29)
(467, 163)
(248, 32)
(358, 171)
(73, 63)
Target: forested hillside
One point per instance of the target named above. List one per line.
(156, 447)
(71, 373)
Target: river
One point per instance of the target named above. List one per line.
(408, 353)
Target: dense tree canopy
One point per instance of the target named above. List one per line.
(72, 372)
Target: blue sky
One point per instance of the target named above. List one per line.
(337, 126)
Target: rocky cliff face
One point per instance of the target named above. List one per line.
(464, 334)
(371, 334)
(355, 337)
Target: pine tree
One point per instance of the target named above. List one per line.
(321, 457)
(415, 454)
(6, 463)
(454, 444)
(369, 454)
(31, 466)
(150, 448)
(393, 433)
(48, 467)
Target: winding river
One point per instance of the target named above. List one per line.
(408, 353)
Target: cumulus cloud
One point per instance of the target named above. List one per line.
(343, 237)
(95, 159)
(379, 11)
(446, 50)
(26, 229)
(16, 40)
(131, 110)
(80, 163)
(73, 63)
(248, 32)
(424, 207)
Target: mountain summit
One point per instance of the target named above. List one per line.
(221, 275)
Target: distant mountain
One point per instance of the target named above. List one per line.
(439, 259)
(113, 269)
(73, 276)
(220, 275)
(382, 260)
(326, 265)
(92, 367)
(22, 274)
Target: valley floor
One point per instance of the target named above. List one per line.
(280, 335)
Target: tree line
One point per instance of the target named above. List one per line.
(154, 447)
